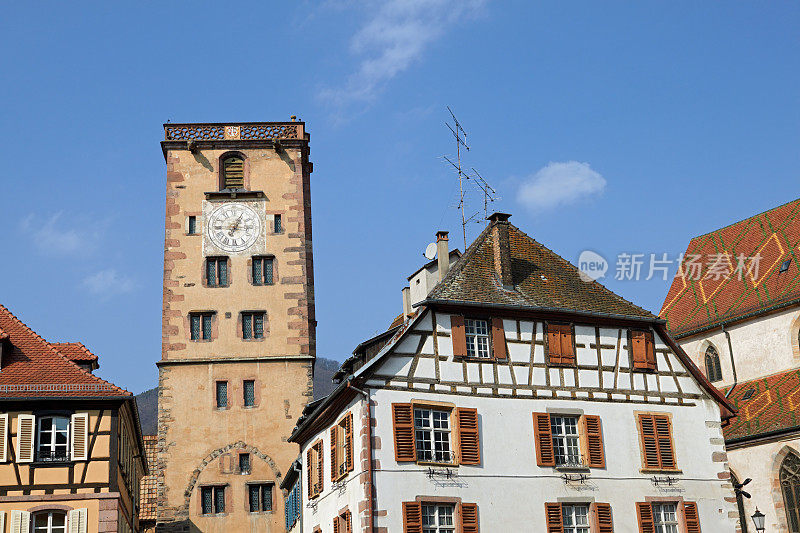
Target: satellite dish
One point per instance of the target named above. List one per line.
(430, 251)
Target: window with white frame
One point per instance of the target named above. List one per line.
(432, 435)
(665, 517)
(438, 518)
(477, 334)
(575, 518)
(53, 439)
(49, 522)
(566, 440)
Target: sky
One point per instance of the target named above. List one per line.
(613, 127)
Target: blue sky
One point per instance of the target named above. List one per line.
(609, 126)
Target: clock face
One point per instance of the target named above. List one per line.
(233, 227)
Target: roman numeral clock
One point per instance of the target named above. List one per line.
(234, 227)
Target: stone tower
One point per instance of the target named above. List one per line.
(238, 341)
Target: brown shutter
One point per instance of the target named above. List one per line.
(403, 416)
(553, 344)
(690, 517)
(458, 336)
(645, 515)
(334, 471)
(664, 439)
(638, 350)
(336, 524)
(649, 350)
(320, 467)
(309, 472)
(647, 429)
(567, 345)
(543, 435)
(555, 521)
(498, 339)
(348, 433)
(469, 517)
(593, 430)
(603, 519)
(348, 519)
(412, 517)
(469, 449)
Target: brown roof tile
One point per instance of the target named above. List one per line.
(75, 351)
(149, 485)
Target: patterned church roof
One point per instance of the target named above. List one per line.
(765, 405)
(735, 272)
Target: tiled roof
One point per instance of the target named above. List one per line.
(75, 351)
(772, 404)
(541, 278)
(697, 300)
(32, 367)
(149, 485)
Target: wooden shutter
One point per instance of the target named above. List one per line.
(644, 513)
(233, 169)
(469, 449)
(320, 467)
(3, 439)
(334, 467)
(336, 520)
(20, 522)
(458, 336)
(348, 522)
(553, 344)
(76, 520)
(649, 350)
(26, 425)
(567, 345)
(593, 430)
(602, 518)
(469, 517)
(79, 430)
(555, 521)
(638, 349)
(498, 339)
(404, 446)
(647, 430)
(690, 517)
(412, 517)
(543, 435)
(348, 441)
(309, 473)
(666, 452)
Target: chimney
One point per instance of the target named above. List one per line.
(406, 302)
(502, 249)
(443, 253)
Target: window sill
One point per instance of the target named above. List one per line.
(201, 340)
(66, 462)
(434, 463)
(213, 515)
(566, 468)
(660, 471)
(234, 193)
(261, 512)
(254, 340)
(475, 359)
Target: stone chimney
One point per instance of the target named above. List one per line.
(406, 302)
(502, 248)
(443, 253)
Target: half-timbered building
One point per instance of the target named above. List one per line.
(70, 442)
(518, 397)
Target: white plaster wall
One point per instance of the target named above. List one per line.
(510, 489)
(761, 346)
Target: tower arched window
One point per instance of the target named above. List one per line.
(233, 172)
(790, 487)
(713, 368)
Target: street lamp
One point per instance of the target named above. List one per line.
(758, 520)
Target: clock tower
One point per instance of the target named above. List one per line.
(238, 338)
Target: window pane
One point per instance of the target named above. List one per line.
(195, 326)
(249, 393)
(222, 266)
(266, 497)
(219, 499)
(207, 500)
(247, 326)
(254, 498)
(278, 224)
(211, 272)
(206, 327)
(258, 278)
(258, 326)
(222, 394)
(192, 225)
(244, 463)
(268, 270)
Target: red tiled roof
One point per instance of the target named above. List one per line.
(75, 351)
(149, 484)
(772, 404)
(697, 300)
(32, 367)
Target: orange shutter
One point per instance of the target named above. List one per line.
(543, 435)
(458, 336)
(638, 350)
(334, 472)
(309, 475)
(602, 517)
(469, 449)
(336, 524)
(649, 350)
(412, 517)
(348, 433)
(647, 429)
(645, 515)
(498, 339)
(690, 517)
(555, 522)
(664, 440)
(553, 344)
(348, 522)
(320, 467)
(593, 429)
(567, 345)
(403, 416)
(469, 517)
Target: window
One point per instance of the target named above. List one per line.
(233, 172)
(260, 497)
(565, 440)
(216, 271)
(438, 518)
(575, 518)
(49, 522)
(560, 344)
(665, 517)
(343, 523)
(191, 225)
(314, 465)
(249, 392)
(342, 448)
(222, 394)
(477, 335)
(253, 325)
(568, 440)
(213, 499)
(200, 326)
(713, 368)
(293, 506)
(244, 463)
(277, 226)
(655, 432)
(263, 268)
(53, 439)
(422, 434)
(432, 435)
(785, 266)
(790, 487)
(642, 350)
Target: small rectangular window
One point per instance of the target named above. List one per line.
(575, 518)
(253, 325)
(438, 518)
(260, 497)
(665, 517)
(566, 440)
(249, 389)
(477, 334)
(278, 225)
(217, 271)
(432, 435)
(213, 499)
(244, 463)
(222, 394)
(200, 326)
(191, 226)
(262, 270)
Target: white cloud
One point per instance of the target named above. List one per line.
(560, 183)
(395, 35)
(53, 235)
(107, 283)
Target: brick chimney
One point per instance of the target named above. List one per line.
(502, 248)
(443, 253)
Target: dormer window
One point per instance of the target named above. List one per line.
(233, 172)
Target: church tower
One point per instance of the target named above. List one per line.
(238, 340)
